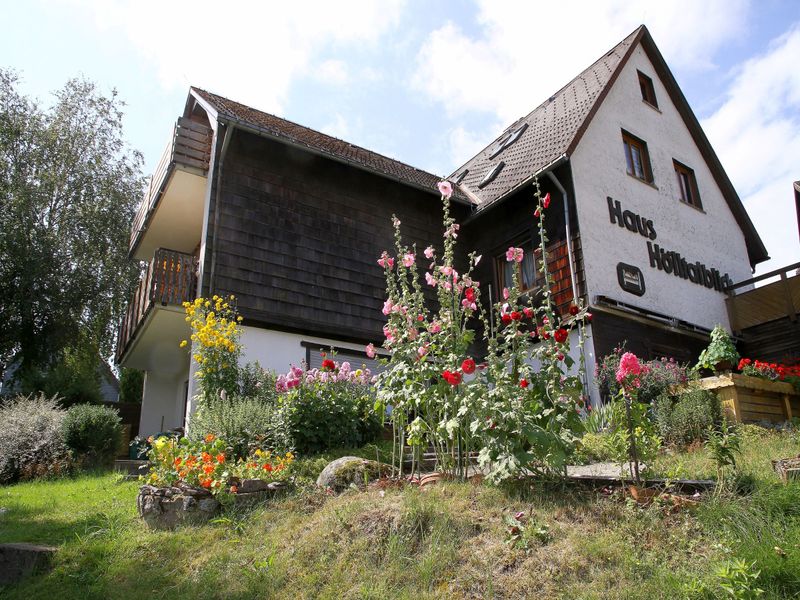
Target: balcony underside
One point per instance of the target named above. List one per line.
(177, 220)
(156, 345)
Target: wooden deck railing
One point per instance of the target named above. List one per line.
(189, 146)
(170, 278)
(775, 300)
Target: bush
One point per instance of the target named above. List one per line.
(31, 439)
(245, 423)
(685, 418)
(325, 415)
(131, 385)
(661, 375)
(93, 432)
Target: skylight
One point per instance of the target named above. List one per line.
(460, 177)
(508, 139)
(493, 172)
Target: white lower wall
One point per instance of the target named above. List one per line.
(162, 402)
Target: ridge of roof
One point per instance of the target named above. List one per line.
(323, 144)
(553, 128)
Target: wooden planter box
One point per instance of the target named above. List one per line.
(751, 399)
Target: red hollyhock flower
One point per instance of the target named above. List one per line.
(468, 366)
(452, 377)
(506, 318)
(560, 335)
(536, 213)
(588, 317)
(543, 333)
(528, 312)
(523, 383)
(516, 315)
(574, 310)
(328, 364)
(546, 200)
(470, 294)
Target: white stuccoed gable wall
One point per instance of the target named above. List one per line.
(599, 170)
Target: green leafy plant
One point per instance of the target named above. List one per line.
(720, 351)
(524, 533)
(738, 579)
(93, 432)
(724, 444)
(686, 417)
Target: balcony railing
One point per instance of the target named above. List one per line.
(170, 278)
(769, 302)
(189, 147)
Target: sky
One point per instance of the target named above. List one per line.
(429, 83)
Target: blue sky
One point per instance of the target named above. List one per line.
(429, 83)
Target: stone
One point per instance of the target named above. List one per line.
(349, 471)
(18, 561)
(162, 510)
(248, 486)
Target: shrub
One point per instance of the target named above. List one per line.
(598, 446)
(658, 376)
(131, 384)
(337, 414)
(31, 440)
(685, 418)
(244, 423)
(93, 432)
(255, 382)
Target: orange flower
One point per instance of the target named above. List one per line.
(208, 469)
(210, 438)
(206, 483)
(206, 457)
(190, 462)
(267, 467)
(182, 474)
(251, 465)
(220, 458)
(234, 489)
(177, 461)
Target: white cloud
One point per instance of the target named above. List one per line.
(516, 62)
(248, 50)
(333, 72)
(756, 133)
(339, 127)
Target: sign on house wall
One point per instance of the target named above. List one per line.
(668, 261)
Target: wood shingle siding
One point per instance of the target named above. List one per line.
(299, 235)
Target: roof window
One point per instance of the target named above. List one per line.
(460, 177)
(508, 139)
(493, 172)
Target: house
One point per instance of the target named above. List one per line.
(644, 227)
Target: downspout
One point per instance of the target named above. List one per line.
(228, 134)
(570, 253)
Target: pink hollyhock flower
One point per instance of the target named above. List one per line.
(408, 259)
(447, 270)
(395, 221)
(528, 311)
(429, 279)
(629, 366)
(505, 293)
(470, 305)
(452, 231)
(387, 306)
(445, 188)
(536, 213)
(386, 260)
(429, 252)
(435, 327)
(422, 350)
(514, 254)
(546, 200)
(296, 372)
(370, 350)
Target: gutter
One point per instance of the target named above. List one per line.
(226, 140)
(570, 252)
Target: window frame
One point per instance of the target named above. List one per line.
(647, 89)
(500, 263)
(630, 141)
(681, 170)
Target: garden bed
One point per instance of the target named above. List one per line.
(752, 399)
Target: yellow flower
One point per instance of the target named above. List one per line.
(184, 343)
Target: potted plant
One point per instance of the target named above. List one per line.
(721, 354)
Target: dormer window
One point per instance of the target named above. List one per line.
(648, 91)
(508, 139)
(491, 174)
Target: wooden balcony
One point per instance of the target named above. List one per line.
(170, 279)
(188, 149)
(777, 300)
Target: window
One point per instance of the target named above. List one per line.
(637, 158)
(528, 273)
(491, 174)
(507, 139)
(687, 185)
(648, 91)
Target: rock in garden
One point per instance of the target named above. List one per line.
(349, 471)
(20, 560)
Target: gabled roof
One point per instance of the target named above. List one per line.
(555, 128)
(320, 143)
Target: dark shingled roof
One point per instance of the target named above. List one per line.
(552, 129)
(320, 143)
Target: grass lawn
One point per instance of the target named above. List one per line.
(449, 541)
